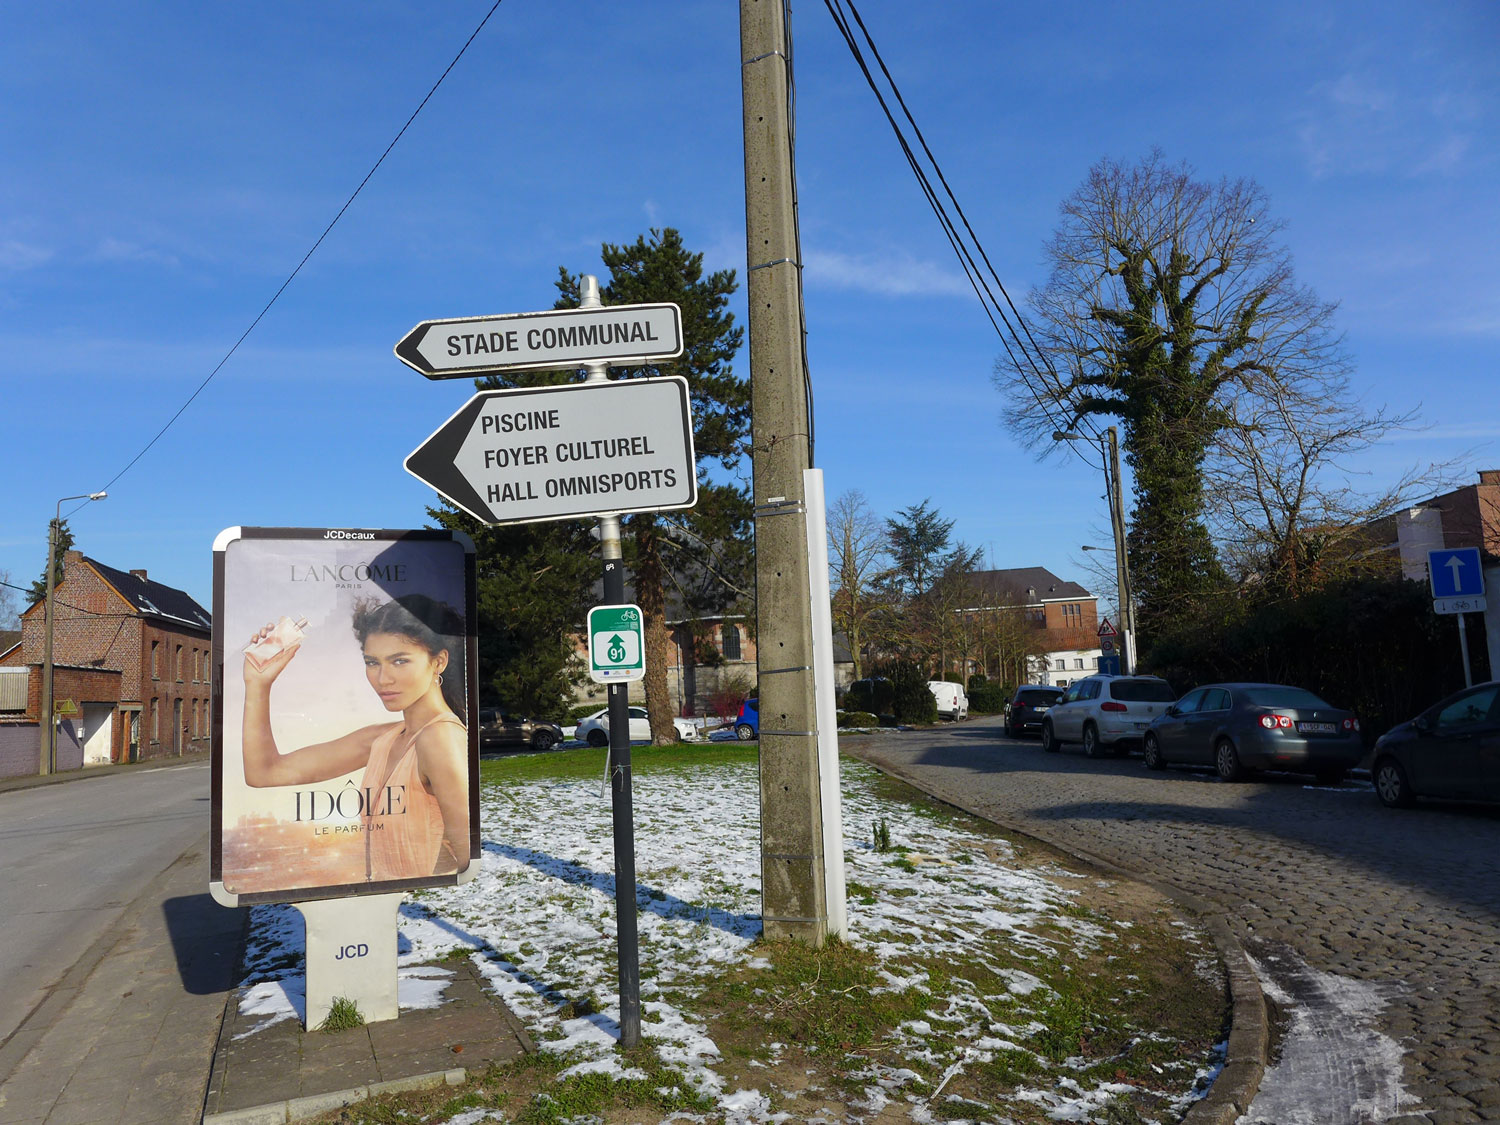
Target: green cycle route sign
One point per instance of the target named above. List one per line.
(617, 648)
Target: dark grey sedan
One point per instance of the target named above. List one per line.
(1450, 750)
(1239, 727)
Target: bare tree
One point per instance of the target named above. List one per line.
(1280, 494)
(860, 570)
(1167, 298)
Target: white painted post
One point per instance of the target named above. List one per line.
(826, 704)
(351, 953)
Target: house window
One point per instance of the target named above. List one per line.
(731, 641)
(197, 730)
(156, 660)
(156, 720)
(179, 664)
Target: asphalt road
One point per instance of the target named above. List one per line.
(75, 855)
(1378, 930)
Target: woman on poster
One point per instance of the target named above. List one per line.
(415, 807)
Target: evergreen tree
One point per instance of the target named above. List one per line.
(535, 584)
(38, 591)
(703, 555)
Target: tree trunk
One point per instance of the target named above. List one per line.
(650, 592)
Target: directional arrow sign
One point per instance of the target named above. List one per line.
(1455, 573)
(553, 453)
(619, 334)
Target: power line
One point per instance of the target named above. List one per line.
(961, 242)
(326, 230)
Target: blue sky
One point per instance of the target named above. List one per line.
(166, 165)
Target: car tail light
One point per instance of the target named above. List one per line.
(1271, 722)
(1112, 706)
(1351, 723)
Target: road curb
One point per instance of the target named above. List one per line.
(1249, 1024)
(300, 1109)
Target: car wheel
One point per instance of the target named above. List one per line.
(598, 738)
(543, 740)
(1151, 754)
(1227, 761)
(744, 732)
(1049, 740)
(1329, 777)
(1391, 785)
(1091, 745)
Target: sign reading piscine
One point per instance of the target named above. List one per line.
(619, 334)
(549, 453)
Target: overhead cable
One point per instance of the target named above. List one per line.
(326, 230)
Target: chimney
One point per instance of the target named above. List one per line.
(71, 557)
(1489, 476)
(141, 574)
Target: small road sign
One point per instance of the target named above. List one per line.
(618, 334)
(617, 644)
(1459, 605)
(1455, 573)
(552, 453)
(1106, 629)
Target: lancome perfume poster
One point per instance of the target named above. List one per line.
(345, 755)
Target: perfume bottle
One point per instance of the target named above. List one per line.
(283, 636)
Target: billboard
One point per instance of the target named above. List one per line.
(345, 747)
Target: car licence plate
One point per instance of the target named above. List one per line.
(1317, 728)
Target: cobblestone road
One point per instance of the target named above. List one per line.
(1405, 901)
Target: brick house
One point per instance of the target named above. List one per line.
(1064, 614)
(1466, 517)
(132, 669)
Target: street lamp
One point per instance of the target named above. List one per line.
(1109, 447)
(47, 758)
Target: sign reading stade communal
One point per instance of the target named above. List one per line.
(552, 453)
(624, 335)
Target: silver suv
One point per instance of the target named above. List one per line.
(1106, 711)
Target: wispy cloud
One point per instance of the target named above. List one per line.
(889, 275)
(119, 250)
(16, 255)
(1361, 123)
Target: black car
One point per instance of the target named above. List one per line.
(1452, 749)
(1024, 710)
(500, 731)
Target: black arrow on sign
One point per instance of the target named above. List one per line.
(434, 461)
(408, 353)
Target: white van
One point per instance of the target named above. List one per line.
(952, 700)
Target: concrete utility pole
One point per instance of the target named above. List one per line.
(1122, 562)
(794, 898)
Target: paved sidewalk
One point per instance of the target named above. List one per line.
(127, 1036)
(281, 1073)
(33, 781)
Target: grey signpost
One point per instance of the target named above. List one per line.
(1457, 580)
(596, 448)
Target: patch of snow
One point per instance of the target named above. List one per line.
(539, 924)
(1335, 1067)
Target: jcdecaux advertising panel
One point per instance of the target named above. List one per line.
(345, 755)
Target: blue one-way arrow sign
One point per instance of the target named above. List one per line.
(1455, 573)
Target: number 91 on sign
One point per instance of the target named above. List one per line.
(616, 644)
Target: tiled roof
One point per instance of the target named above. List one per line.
(152, 599)
(1027, 585)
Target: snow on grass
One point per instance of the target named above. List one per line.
(540, 924)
